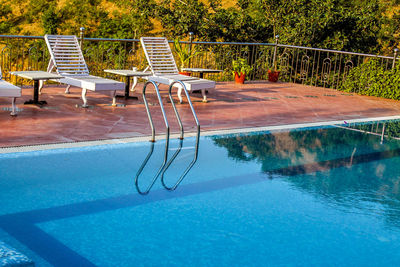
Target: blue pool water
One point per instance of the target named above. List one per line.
(322, 196)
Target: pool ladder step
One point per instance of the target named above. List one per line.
(166, 164)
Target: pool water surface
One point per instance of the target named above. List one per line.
(321, 196)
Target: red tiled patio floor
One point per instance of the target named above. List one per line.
(255, 104)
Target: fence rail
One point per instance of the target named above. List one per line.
(306, 65)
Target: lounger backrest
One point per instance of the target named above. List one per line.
(66, 54)
(159, 55)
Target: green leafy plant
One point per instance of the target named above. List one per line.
(184, 53)
(241, 67)
(371, 78)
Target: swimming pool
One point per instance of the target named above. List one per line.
(319, 196)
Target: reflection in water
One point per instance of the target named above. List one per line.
(186, 171)
(146, 160)
(350, 168)
(165, 165)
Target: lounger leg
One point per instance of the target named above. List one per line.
(135, 80)
(13, 109)
(41, 83)
(114, 103)
(180, 93)
(85, 105)
(67, 89)
(203, 94)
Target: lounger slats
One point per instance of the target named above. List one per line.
(162, 56)
(66, 42)
(157, 50)
(69, 64)
(66, 54)
(163, 66)
(70, 61)
(70, 68)
(159, 55)
(68, 57)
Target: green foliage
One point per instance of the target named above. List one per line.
(371, 78)
(132, 24)
(82, 13)
(240, 66)
(234, 25)
(184, 53)
(6, 22)
(50, 21)
(334, 24)
(178, 18)
(359, 26)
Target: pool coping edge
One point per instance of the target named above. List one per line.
(31, 148)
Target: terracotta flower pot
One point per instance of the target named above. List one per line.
(185, 73)
(240, 78)
(273, 75)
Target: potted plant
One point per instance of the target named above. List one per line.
(273, 75)
(184, 54)
(240, 69)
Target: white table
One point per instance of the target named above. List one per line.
(36, 76)
(128, 74)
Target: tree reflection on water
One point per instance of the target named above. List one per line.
(350, 168)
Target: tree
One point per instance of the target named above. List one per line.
(132, 21)
(5, 18)
(177, 21)
(50, 21)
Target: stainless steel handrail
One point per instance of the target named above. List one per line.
(196, 153)
(145, 192)
(190, 104)
(181, 138)
(153, 131)
(153, 140)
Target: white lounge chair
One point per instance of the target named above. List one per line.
(67, 58)
(164, 69)
(9, 90)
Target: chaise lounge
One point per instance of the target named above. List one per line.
(67, 58)
(9, 90)
(164, 69)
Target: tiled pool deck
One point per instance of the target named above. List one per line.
(231, 106)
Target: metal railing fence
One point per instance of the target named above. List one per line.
(309, 66)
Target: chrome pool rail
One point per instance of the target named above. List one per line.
(188, 168)
(166, 164)
(298, 64)
(196, 148)
(153, 131)
(153, 140)
(181, 86)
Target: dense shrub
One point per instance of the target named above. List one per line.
(371, 78)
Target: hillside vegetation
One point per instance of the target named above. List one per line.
(359, 26)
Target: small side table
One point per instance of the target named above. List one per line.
(201, 71)
(36, 76)
(128, 74)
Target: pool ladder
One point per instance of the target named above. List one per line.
(166, 164)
